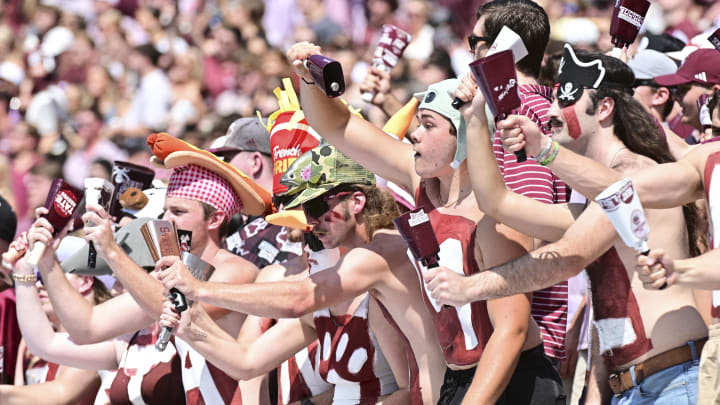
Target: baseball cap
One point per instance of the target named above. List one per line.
(129, 238)
(318, 171)
(698, 42)
(649, 64)
(11, 72)
(438, 98)
(244, 134)
(701, 67)
(8, 221)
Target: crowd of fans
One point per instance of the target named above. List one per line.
(83, 83)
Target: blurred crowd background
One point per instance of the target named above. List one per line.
(83, 82)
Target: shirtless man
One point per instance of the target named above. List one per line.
(600, 120)
(375, 262)
(198, 200)
(434, 166)
(666, 186)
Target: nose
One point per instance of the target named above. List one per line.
(415, 135)
(311, 221)
(554, 111)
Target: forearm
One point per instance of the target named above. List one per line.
(390, 105)
(61, 391)
(584, 175)
(214, 344)
(598, 388)
(496, 366)
(328, 116)
(47, 344)
(699, 272)
(543, 221)
(534, 271)
(269, 300)
(73, 310)
(146, 290)
(399, 397)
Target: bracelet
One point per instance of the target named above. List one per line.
(553, 154)
(543, 153)
(24, 278)
(306, 82)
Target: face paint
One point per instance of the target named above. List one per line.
(571, 121)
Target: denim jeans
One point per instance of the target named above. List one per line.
(677, 385)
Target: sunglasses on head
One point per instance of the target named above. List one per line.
(473, 41)
(317, 207)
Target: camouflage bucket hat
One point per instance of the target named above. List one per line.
(320, 170)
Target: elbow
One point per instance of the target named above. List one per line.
(302, 301)
(299, 307)
(82, 337)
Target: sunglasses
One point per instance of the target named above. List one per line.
(645, 82)
(473, 41)
(319, 206)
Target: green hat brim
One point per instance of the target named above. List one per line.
(310, 193)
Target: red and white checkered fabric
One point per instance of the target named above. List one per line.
(193, 182)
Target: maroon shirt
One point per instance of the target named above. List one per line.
(549, 306)
(9, 336)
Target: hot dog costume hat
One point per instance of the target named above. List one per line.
(200, 175)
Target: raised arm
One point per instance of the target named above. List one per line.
(52, 346)
(69, 387)
(663, 186)
(510, 317)
(354, 136)
(249, 358)
(85, 322)
(543, 221)
(146, 290)
(357, 272)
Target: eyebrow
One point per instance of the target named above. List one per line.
(426, 115)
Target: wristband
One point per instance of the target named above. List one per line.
(24, 278)
(306, 82)
(553, 154)
(544, 152)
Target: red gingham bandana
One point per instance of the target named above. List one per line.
(193, 182)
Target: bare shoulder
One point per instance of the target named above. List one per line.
(383, 250)
(232, 268)
(290, 270)
(628, 162)
(698, 156)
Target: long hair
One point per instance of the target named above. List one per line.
(639, 132)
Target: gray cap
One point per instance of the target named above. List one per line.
(130, 240)
(244, 134)
(648, 64)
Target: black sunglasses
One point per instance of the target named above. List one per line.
(473, 41)
(317, 207)
(645, 82)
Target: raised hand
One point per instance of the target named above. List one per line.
(98, 227)
(518, 132)
(297, 55)
(376, 82)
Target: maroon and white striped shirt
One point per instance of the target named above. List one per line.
(549, 306)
